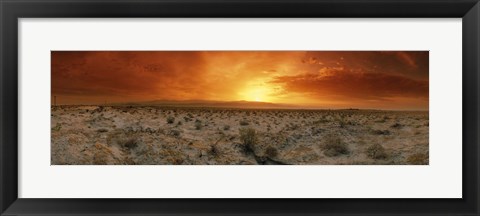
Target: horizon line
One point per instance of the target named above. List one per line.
(238, 107)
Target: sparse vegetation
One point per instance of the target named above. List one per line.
(57, 127)
(244, 123)
(381, 132)
(175, 133)
(418, 159)
(248, 138)
(397, 125)
(271, 152)
(198, 125)
(214, 151)
(334, 146)
(191, 135)
(101, 155)
(376, 151)
(130, 143)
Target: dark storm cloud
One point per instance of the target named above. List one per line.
(347, 84)
(406, 63)
(124, 73)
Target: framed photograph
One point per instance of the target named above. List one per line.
(239, 107)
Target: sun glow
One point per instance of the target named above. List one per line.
(257, 94)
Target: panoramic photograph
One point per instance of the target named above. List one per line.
(239, 107)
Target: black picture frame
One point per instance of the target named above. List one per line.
(12, 10)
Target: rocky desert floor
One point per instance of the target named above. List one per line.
(140, 135)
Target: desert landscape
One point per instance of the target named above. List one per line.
(155, 135)
(240, 107)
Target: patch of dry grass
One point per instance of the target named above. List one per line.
(248, 136)
(376, 151)
(418, 159)
(334, 146)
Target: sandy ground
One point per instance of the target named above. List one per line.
(202, 136)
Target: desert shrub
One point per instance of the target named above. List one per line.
(57, 127)
(248, 138)
(214, 150)
(177, 161)
(376, 151)
(102, 130)
(244, 122)
(198, 125)
(293, 127)
(271, 152)
(130, 143)
(170, 120)
(322, 120)
(397, 126)
(100, 158)
(334, 146)
(175, 133)
(381, 132)
(102, 155)
(418, 159)
(226, 127)
(179, 123)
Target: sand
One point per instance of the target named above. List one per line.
(141, 135)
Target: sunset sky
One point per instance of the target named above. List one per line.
(311, 79)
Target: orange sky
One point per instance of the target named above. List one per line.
(316, 79)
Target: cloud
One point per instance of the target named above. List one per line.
(348, 77)
(405, 63)
(342, 84)
(125, 74)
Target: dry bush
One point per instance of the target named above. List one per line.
(244, 122)
(57, 127)
(102, 130)
(175, 133)
(376, 151)
(418, 159)
(271, 152)
(226, 127)
(397, 125)
(248, 138)
(102, 154)
(170, 120)
(381, 132)
(198, 125)
(130, 143)
(292, 127)
(334, 146)
(177, 161)
(214, 151)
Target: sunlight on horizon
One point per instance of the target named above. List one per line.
(259, 93)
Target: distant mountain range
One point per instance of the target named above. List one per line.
(207, 103)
